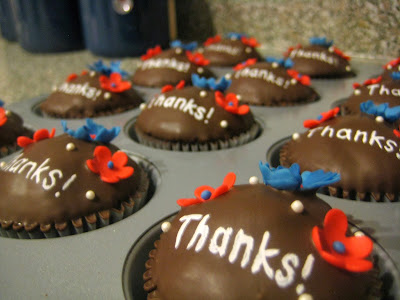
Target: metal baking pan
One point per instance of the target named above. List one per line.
(106, 263)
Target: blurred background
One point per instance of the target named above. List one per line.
(42, 41)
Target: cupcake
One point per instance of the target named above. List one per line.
(271, 240)
(162, 67)
(229, 51)
(390, 67)
(98, 92)
(68, 184)
(195, 118)
(11, 127)
(320, 59)
(271, 83)
(363, 148)
(375, 89)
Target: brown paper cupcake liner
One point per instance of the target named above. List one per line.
(79, 225)
(235, 141)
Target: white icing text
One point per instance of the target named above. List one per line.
(80, 89)
(224, 48)
(321, 56)
(382, 90)
(169, 63)
(265, 75)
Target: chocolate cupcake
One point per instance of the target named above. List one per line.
(11, 127)
(375, 89)
(68, 184)
(98, 92)
(229, 51)
(274, 240)
(271, 83)
(320, 59)
(163, 67)
(195, 118)
(363, 148)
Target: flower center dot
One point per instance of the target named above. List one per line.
(110, 165)
(205, 195)
(230, 103)
(113, 85)
(339, 247)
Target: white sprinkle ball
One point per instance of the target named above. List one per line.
(330, 49)
(248, 50)
(238, 97)
(357, 92)
(224, 123)
(203, 94)
(275, 64)
(92, 73)
(297, 206)
(142, 106)
(70, 147)
(57, 194)
(348, 68)
(234, 38)
(305, 296)
(228, 76)
(200, 70)
(200, 50)
(90, 195)
(293, 81)
(54, 88)
(253, 180)
(166, 226)
(107, 95)
(295, 136)
(379, 119)
(359, 233)
(8, 112)
(2, 164)
(178, 50)
(389, 67)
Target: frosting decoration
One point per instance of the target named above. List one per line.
(39, 135)
(303, 79)
(92, 132)
(249, 62)
(321, 41)
(178, 44)
(231, 104)
(197, 58)
(211, 83)
(390, 114)
(212, 40)
(114, 83)
(324, 116)
(170, 87)
(151, 52)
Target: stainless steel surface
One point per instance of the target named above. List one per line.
(90, 265)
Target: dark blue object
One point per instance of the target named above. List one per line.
(7, 22)
(118, 34)
(48, 25)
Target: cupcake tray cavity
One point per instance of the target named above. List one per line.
(107, 263)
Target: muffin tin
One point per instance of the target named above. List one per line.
(107, 263)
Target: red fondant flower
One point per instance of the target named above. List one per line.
(151, 52)
(197, 58)
(290, 49)
(393, 63)
(340, 53)
(39, 135)
(170, 87)
(303, 79)
(251, 42)
(396, 132)
(110, 167)
(3, 116)
(114, 83)
(71, 77)
(324, 116)
(205, 192)
(212, 40)
(84, 72)
(242, 65)
(230, 103)
(339, 250)
(369, 81)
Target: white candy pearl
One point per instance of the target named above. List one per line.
(293, 81)
(330, 49)
(359, 233)
(178, 50)
(166, 226)
(2, 164)
(203, 94)
(253, 180)
(224, 123)
(357, 92)
(239, 97)
(200, 70)
(275, 64)
(92, 73)
(295, 136)
(142, 106)
(305, 297)
(107, 95)
(54, 88)
(70, 147)
(90, 195)
(348, 68)
(248, 50)
(297, 206)
(228, 76)
(379, 119)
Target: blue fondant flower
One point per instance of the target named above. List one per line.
(92, 132)
(321, 41)
(290, 178)
(395, 75)
(211, 83)
(286, 63)
(390, 114)
(114, 67)
(1, 103)
(235, 35)
(178, 44)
